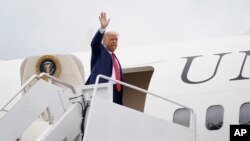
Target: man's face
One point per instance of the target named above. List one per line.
(110, 41)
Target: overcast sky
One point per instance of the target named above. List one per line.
(34, 27)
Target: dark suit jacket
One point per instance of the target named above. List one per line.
(101, 60)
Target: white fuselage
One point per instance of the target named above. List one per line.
(198, 74)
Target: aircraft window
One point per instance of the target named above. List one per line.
(214, 117)
(182, 117)
(245, 113)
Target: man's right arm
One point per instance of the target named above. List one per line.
(97, 40)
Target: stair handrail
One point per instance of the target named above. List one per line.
(22, 88)
(58, 81)
(144, 91)
(41, 75)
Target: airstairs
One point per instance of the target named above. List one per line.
(83, 113)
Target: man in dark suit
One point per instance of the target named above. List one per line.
(103, 59)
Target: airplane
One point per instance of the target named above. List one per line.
(192, 90)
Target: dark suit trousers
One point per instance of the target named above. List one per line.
(117, 96)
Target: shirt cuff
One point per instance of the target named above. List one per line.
(102, 30)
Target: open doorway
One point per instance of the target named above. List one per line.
(140, 77)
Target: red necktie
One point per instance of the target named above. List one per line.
(117, 72)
